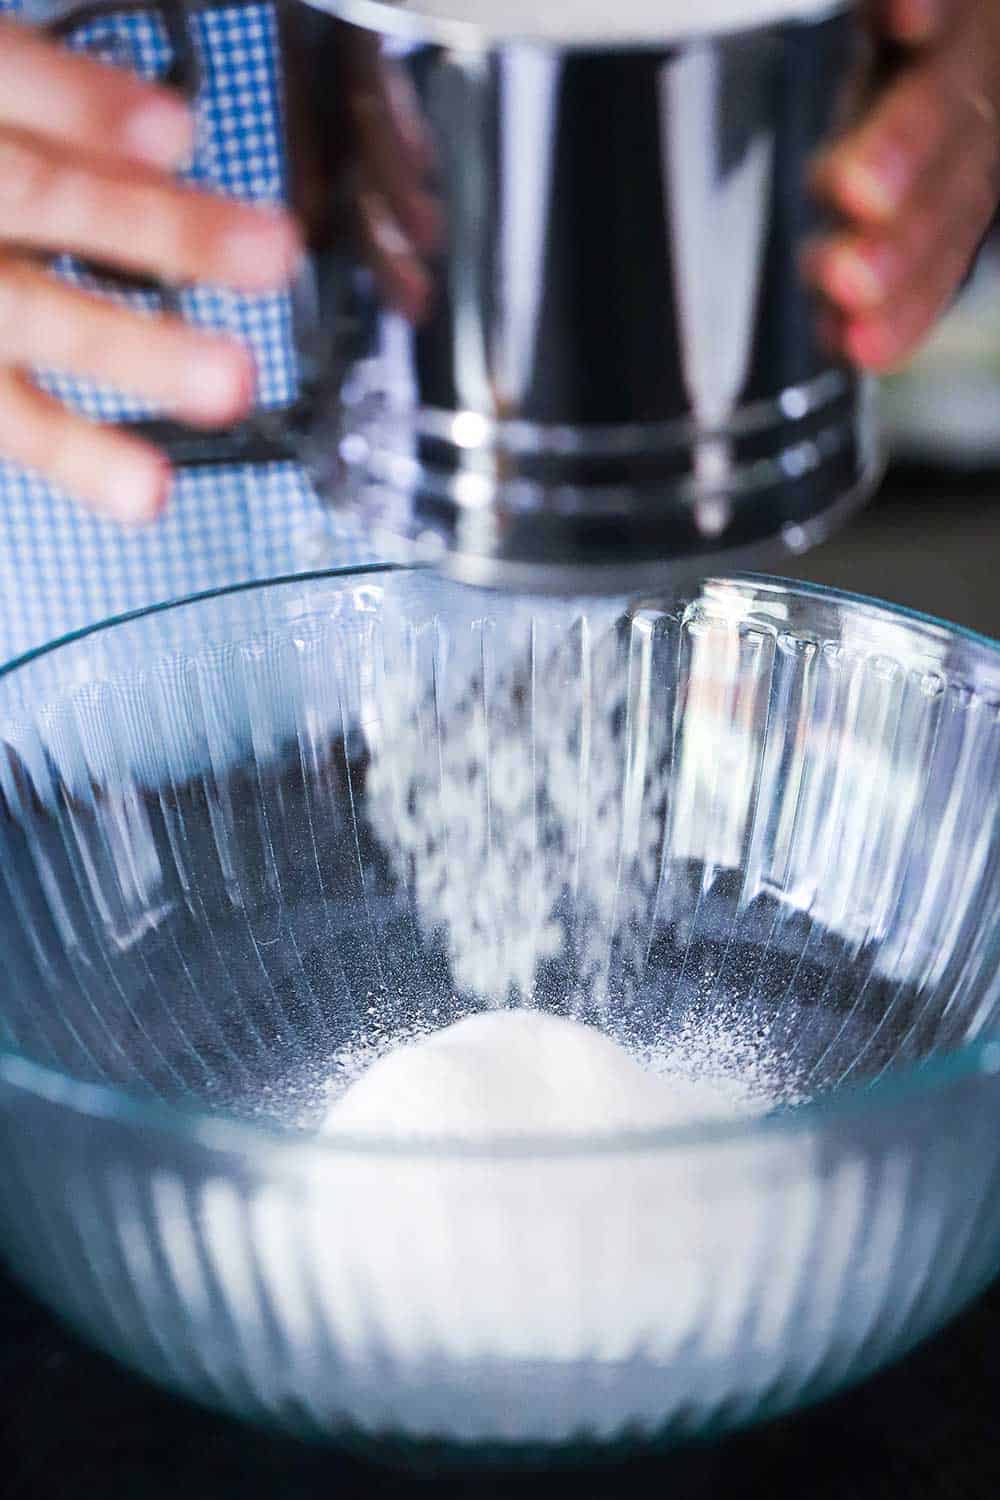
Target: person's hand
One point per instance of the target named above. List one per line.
(398, 219)
(87, 153)
(914, 185)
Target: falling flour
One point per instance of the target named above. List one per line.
(524, 806)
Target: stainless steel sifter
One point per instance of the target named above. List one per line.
(594, 363)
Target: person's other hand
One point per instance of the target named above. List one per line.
(399, 219)
(914, 185)
(87, 153)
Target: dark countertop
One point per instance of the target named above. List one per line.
(75, 1427)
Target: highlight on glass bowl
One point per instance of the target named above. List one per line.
(433, 1017)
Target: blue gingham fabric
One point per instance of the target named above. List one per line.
(60, 568)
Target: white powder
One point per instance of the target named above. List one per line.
(527, 820)
(637, 20)
(520, 1072)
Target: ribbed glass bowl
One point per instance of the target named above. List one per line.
(244, 837)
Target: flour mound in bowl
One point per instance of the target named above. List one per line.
(517, 1072)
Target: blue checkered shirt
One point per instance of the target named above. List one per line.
(61, 568)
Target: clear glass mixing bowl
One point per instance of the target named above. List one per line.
(247, 836)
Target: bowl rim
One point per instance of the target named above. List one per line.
(235, 1135)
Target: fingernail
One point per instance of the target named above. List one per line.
(220, 382)
(868, 191)
(266, 249)
(851, 279)
(390, 239)
(136, 488)
(161, 132)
